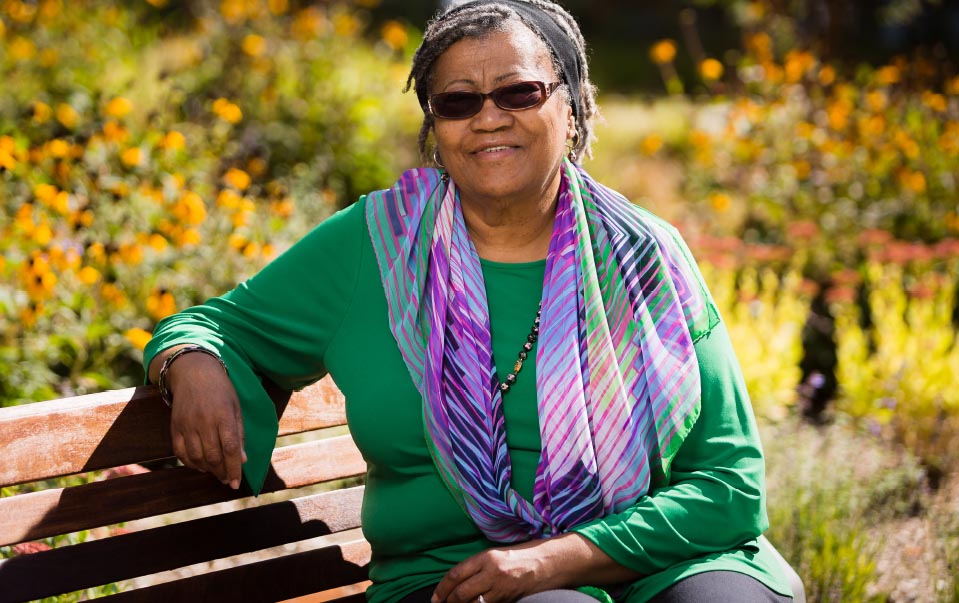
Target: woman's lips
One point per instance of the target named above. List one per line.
(495, 152)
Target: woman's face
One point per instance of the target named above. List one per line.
(498, 155)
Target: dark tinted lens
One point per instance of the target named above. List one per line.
(518, 96)
(454, 105)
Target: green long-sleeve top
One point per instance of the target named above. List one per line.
(320, 307)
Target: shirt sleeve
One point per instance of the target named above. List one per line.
(276, 325)
(715, 500)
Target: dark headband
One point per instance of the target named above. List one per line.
(559, 43)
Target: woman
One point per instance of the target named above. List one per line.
(535, 374)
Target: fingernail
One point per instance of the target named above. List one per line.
(434, 599)
(244, 457)
(235, 484)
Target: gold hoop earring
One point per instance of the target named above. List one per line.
(437, 160)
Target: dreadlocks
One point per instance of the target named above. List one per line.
(474, 20)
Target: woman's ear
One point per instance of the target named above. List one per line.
(571, 126)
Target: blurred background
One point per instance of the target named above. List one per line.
(154, 153)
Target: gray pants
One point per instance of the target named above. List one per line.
(707, 587)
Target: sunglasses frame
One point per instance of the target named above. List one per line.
(546, 90)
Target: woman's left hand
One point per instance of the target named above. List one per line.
(504, 574)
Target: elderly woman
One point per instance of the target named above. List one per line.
(542, 388)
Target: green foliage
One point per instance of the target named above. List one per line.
(152, 158)
(827, 490)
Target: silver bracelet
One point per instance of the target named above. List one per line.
(165, 394)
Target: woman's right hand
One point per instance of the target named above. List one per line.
(206, 424)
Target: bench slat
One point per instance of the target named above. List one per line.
(126, 426)
(161, 549)
(60, 511)
(266, 581)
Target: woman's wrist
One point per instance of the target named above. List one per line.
(579, 562)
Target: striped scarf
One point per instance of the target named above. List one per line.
(617, 377)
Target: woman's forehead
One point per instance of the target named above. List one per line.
(496, 54)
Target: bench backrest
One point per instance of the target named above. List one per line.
(114, 430)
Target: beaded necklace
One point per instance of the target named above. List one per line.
(505, 386)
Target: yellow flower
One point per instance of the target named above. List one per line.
(663, 51)
(227, 111)
(29, 315)
(131, 157)
(251, 250)
(3, 29)
(131, 253)
(189, 238)
(114, 132)
(256, 166)
(50, 9)
(161, 304)
(827, 75)
(190, 209)
(41, 112)
(952, 86)
(876, 100)
(21, 49)
(237, 178)
(936, 102)
(42, 234)
(888, 75)
(113, 295)
(173, 140)
(228, 199)
(158, 4)
(158, 242)
(308, 23)
(88, 275)
(67, 116)
(236, 241)
(651, 144)
(268, 251)
(345, 24)
(118, 107)
(233, 11)
(282, 208)
(711, 69)
(278, 7)
(719, 201)
(394, 34)
(58, 148)
(253, 45)
(7, 161)
(138, 337)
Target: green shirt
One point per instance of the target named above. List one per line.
(320, 308)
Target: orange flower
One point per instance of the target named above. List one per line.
(227, 111)
(131, 157)
(394, 34)
(827, 75)
(711, 69)
(651, 144)
(237, 178)
(41, 112)
(888, 75)
(173, 141)
(118, 107)
(88, 275)
(719, 201)
(67, 116)
(161, 304)
(114, 132)
(138, 337)
(253, 45)
(190, 209)
(663, 51)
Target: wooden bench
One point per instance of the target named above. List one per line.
(309, 546)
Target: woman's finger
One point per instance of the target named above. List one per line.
(232, 449)
(193, 447)
(458, 574)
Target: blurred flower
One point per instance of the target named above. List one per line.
(233, 11)
(936, 102)
(663, 51)
(394, 34)
(840, 295)
(345, 24)
(308, 23)
(3, 29)
(876, 100)
(719, 201)
(798, 63)
(228, 199)
(760, 44)
(21, 49)
(131, 157)
(49, 57)
(173, 141)
(118, 107)
(41, 112)
(227, 111)
(253, 45)
(67, 116)
(58, 148)
(190, 209)
(711, 69)
(651, 144)
(888, 75)
(88, 275)
(138, 337)
(827, 75)
(802, 229)
(278, 7)
(161, 304)
(158, 242)
(114, 132)
(158, 3)
(113, 295)
(282, 208)
(256, 166)
(237, 178)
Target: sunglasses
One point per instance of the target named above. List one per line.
(511, 97)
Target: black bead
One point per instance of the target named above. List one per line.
(527, 346)
(511, 379)
(504, 387)
(523, 355)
